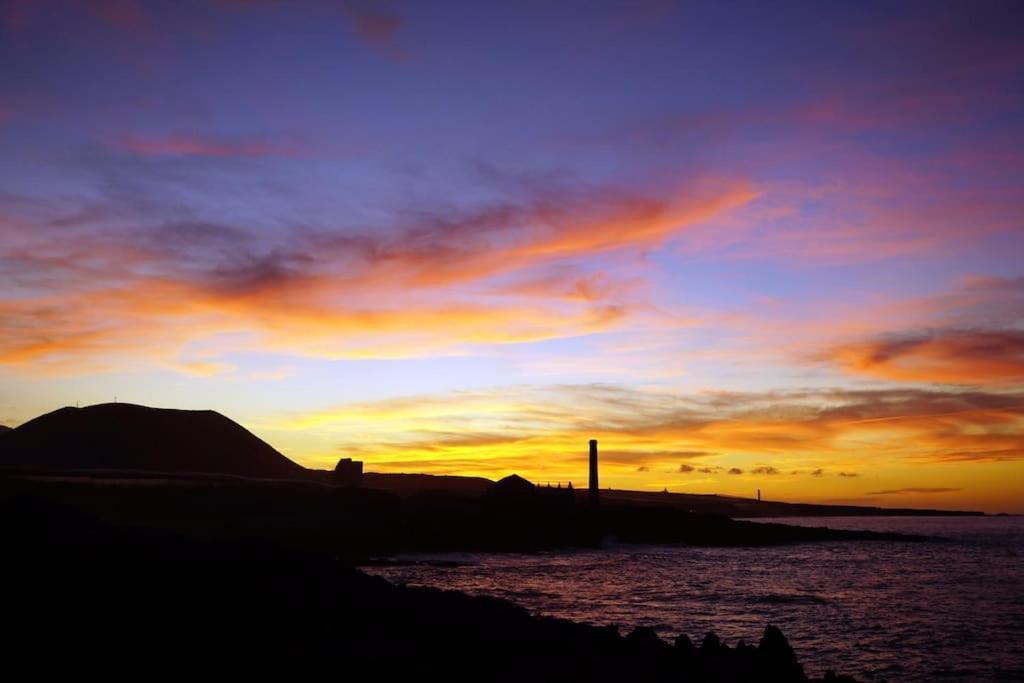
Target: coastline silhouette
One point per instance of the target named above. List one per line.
(192, 510)
(122, 440)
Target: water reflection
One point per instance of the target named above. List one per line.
(898, 611)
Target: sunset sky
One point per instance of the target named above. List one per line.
(743, 246)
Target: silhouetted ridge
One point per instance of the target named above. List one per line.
(122, 436)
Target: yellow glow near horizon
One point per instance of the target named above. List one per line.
(651, 441)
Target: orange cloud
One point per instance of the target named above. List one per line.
(154, 319)
(568, 284)
(950, 355)
(496, 241)
(635, 222)
(913, 489)
(94, 296)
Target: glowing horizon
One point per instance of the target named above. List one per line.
(744, 247)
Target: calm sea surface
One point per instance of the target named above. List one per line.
(951, 609)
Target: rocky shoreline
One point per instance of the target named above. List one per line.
(134, 597)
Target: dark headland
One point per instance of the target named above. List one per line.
(179, 532)
(121, 436)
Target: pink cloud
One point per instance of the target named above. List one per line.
(372, 24)
(16, 13)
(126, 16)
(185, 145)
(370, 21)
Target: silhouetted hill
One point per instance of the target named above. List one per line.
(122, 436)
(4, 428)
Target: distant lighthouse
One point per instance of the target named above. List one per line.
(593, 472)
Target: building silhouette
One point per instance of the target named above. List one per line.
(594, 494)
(556, 495)
(348, 472)
(515, 491)
(512, 488)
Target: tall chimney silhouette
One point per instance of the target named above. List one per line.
(593, 472)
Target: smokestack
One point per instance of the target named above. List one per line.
(593, 472)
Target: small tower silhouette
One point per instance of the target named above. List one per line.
(759, 495)
(594, 496)
(348, 472)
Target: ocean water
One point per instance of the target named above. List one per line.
(947, 610)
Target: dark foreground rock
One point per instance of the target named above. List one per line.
(91, 598)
